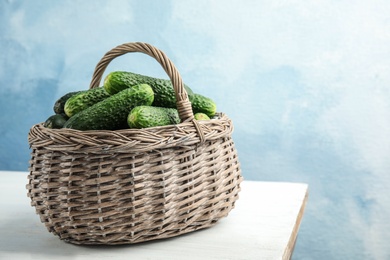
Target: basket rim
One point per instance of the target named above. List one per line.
(140, 140)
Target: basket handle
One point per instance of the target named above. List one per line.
(182, 102)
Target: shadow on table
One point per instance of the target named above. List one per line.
(25, 234)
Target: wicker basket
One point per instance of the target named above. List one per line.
(130, 186)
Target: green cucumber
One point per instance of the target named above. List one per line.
(60, 103)
(111, 113)
(164, 94)
(84, 99)
(56, 121)
(201, 116)
(202, 104)
(150, 116)
(163, 89)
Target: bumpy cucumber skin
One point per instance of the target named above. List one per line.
(84, 99)
(150, 116)
(55, 121)
(60, 103)
(163, 89)
(111, 113)
(202, 104)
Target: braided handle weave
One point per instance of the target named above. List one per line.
(182, 102)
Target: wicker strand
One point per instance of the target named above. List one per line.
(199, 131)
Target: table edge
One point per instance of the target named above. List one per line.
(292, 241)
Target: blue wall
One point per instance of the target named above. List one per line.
(307, 84)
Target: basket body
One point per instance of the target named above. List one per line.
(130, 186)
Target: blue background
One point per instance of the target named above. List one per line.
(306, 83)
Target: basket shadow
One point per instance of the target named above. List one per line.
(24, 233)
(139, 245)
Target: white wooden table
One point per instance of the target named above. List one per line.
(263, 225)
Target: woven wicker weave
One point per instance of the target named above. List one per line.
(129, 186)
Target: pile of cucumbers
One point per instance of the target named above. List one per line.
(126, 100)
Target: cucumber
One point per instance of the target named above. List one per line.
(84, 99)
(56, 121)
(60, 103)
(164, 94)
(150, 116)
(201, 116)
(111, 113)
(202, 104)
